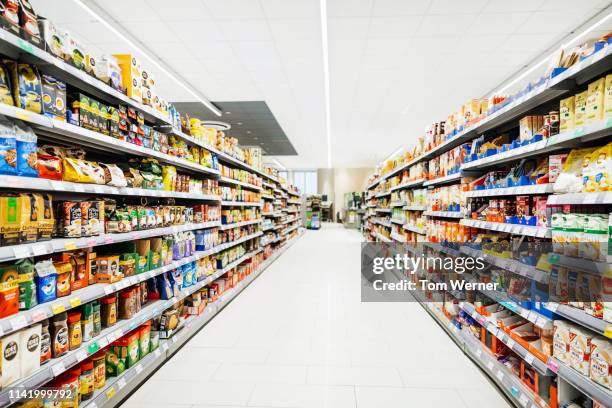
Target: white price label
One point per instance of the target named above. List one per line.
(525, 313)
(58, 368)
(478, 352)
(108, 289)
(138, 368)
(174, 339)
(490, 365)
(529, 358)
(21, 251)
(552, 306)
(81, 355)
(511, 343)
(78, 188)
(121, 383)
(500, 375)
(157, 353)
(39, 249)
(165, 346)
(18, 322)
(523, 400)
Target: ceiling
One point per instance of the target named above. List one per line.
(395, 66)
(252, 123)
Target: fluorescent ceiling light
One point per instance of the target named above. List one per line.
(396, 152)
(279, 164)
(151, 59)
(325, 46)
(547, 59)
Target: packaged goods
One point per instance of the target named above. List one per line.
(601, 362)
(27, 286)
(45, 342)
(53, 97)
(108, 270)
(64, 276)
(87, 380)
(69, 216)
(9, 10)
(608, 97)
(561, 341)
(114, 365)
(60, 342)
(108, 311)
(127, 349)
(49, 167)
(580, 349)
(26, 151)
(46, 281)
(99, 368)
(46, 219)
(9, 290)
(6, 97)
(144, 334)
(571, 178)
(595, 101)
(75, 334)
(74, 53)
(580, 108)
(131, 75)
(30, 340)
(55, 39)
(27, 90)
(113, 176)
(11, 359)
(87, 322)
(8, 148)
(28, 21)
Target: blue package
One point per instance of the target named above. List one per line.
(26, 142)
(8, 148)
(46, 281)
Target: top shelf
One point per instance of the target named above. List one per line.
(16, 47)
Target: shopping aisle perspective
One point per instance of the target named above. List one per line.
(299, 336)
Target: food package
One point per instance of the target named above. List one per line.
(113, 176)
(53, 97)
(77, 171)
(54, 38)
(11, 359)
(8, 148)
(608, 97)
(27, 90)
(107, 70)
(570, 179)
(580, 108)
(6, 96)
(597, 169)
(64, 276)
(9, 11)
(580, 349)
(9, 290)
(131, 75)
(46, 281)
(28, 20)
(601, 361)
(595, 101)
(30, 338)
(69, 216)
(49, 167)
(27, 286)
(566, 114)
(74, 52)
(26, 151)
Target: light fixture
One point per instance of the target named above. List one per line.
(324, 41)
(239, 123)
(228, 113)
(396, 152)
(547, 59)
(151, 59)
(279, 164)
(248, 131)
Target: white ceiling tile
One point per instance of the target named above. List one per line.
(291, 9)
(88, 30)
(529, 42)
(169, 51)
(245, 30)
(132, 10)
(498, 23)
(190, 33)
(482, 43)
(349, 8)
(299, 48)
(252, 49)
(261, 63)
(216, 49)
(387, 46)
(394, 26)
(350, 28)
(456, 7)
(573, 19)
(503, 6)
(441, 44)
(572, 4)
(295, 28)
(443, 25)
(235, 8)
(344, 48)
(150, 32)
(388, 8)
(189, 10)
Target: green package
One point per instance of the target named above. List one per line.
(127, 264)
(27, 286)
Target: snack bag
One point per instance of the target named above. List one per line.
(570, 179)
(603, 167)
(26, 151)
(6, 96)
(8, 148)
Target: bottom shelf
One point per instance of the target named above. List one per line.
(118, 388)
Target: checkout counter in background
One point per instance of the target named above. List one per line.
(353, 210)
(313, 212)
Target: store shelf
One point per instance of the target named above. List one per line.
(531, 315)
(444, 180)
(584, 319)
(240, 204)
(507, 340)
(297, 202)
(398, 237)
(383, 210)
(408, 227)
(40, 184)
(272, 241)
(409, 184)
(444, 214)
(414, 207)
(382, 238)
(511, 191)
(583, 264)
(384, 224)
(267, 227)
(228, 180)
(541, 232)
(582, 383)
(15, 47)
(373, 184)
(442, 248)
(235, 242)
(267, 197)
(239, 224)
(511, 265)
(383, 194)
(397, 203)
(398, 221)
(8, 253)
(580, 198)
(290, 220)
(288, 230)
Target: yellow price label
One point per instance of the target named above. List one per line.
(74, 302)
(70, 246)
(608, 332)
(110, 393)
(58, 308)
(23, 116)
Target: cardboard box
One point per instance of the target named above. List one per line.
(595, 101)
(131, 75)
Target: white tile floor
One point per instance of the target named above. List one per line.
(299, 336)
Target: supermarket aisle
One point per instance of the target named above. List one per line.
(300, 337)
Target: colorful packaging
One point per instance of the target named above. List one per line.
(595, 101)
(580, 108)
(8, 148)
(27, 89)
(27, 286)
(608, 97)
(9, 290)
(6, 97)
(46, 281)
(601, 361)
(580, 349)
(26, 142)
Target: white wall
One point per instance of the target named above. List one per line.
(337, 182)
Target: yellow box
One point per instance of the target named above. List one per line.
(580, 108)
(608, 97)
(131, 75)
(566, 114)
(595, 100)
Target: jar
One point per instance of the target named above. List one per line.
(97, 319)
(127, 305)
(86, 380)
(59, 335)
(99, 369)
(108, 311)
(87, 322)
(45, 342)
(74, 330)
